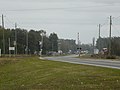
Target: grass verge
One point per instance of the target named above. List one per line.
(34, 74)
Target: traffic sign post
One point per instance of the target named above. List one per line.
(11, 49)
(79, 51)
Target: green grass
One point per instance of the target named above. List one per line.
(34, 74)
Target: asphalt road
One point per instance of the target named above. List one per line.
(93, 62)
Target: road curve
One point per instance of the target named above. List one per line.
(93, 62)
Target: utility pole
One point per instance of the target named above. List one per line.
(26, 43)
(59, 49)
(79, 44)
(99, 42)
(93, 44)
(15, 39)
(52, 46)
(41, 43)
(9, 48)
(110, 35)
(99, 30)
(3, 35)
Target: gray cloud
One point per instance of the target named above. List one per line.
(97, 1)
(106, 1)
(65, 17)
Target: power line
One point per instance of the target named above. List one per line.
(116, 29)
(104, 24)
(101, 26)
(9, 20)
(67, 8)
(117, 18)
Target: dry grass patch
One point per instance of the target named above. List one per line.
(34, 74)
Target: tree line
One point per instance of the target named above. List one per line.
(34, 37)
(105, 42)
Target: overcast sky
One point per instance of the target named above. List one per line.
(64, 17)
